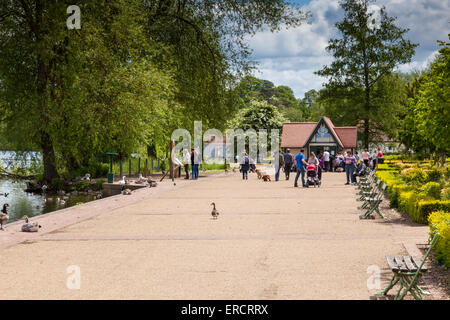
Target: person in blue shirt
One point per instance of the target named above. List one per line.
(301, 163)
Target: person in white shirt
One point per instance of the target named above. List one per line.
(186, 160)
(326, 160)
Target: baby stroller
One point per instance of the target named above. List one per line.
(312, 178)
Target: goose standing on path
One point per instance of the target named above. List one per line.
(214, 212)
(30, 226)
(4, 217)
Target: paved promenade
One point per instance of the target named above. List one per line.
(271, 241)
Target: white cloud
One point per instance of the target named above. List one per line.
(290, 57)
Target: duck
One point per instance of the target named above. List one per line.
(214, 212)
(87, 177)
(62, 202)
(30, 226)
(4, 217)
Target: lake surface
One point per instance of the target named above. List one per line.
(22, 203)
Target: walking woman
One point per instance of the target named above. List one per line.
(350, 161)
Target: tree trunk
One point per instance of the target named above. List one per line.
(366, 139)
(48, 155)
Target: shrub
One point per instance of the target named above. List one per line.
(434, 174)
(389, 177)
(394, 192)
(384, 166)
(439, 221)
(407, 202)
(58, 184)
(98, 185)
(414, 176)
(445, 194)
(432, 189)
(82, 185)
(425, 207)
(98, 170)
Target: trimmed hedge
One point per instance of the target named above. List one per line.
(425, 207)
(432, 189)
(439, 221)
(408, 202)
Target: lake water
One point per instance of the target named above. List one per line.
(22, 203)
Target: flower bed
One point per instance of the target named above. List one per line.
(423, 192)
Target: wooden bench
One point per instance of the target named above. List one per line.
(408, 271)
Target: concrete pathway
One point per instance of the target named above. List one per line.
(271, 242)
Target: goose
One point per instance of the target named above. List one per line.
(214, 212)
(87, 176)
(123, 180)
(126, 192)
(62, 202)
(30, 226)
(4, 217)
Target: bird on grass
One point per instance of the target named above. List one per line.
(30, 226)
(4, 217)
(214, 212)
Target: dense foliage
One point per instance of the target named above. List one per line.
(135, 71)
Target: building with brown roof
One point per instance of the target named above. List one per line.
(318, 136)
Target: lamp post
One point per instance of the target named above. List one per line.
(111, 174)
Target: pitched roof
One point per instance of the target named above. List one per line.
(331, 126)
(347, 136)
(296, 134)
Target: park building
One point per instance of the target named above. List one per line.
(318, 136)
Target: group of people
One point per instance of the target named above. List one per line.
(192, 158)
(352, 164)
(300, 163)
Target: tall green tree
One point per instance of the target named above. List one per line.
(74, 94)
(432, 103)
(363, 55)
(135, 71)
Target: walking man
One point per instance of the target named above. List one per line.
(279, 163)
(195, 159)
(301, 164)
(288, 160)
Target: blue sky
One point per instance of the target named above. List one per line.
(290, 57)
